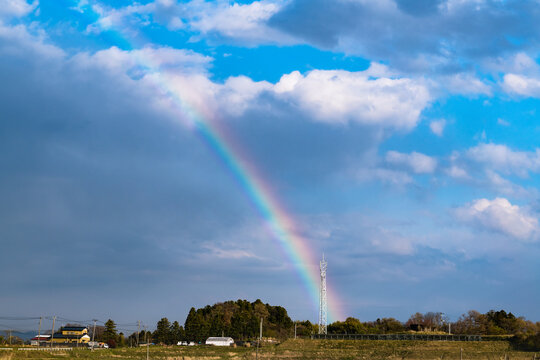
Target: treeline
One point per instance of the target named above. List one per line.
(238, 319)
(473, 323)
(241, 319)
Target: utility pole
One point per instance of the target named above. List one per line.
(295, 330)
(9, 337)
(147, 345)
(94, 334)
(39, 332)
(259, 342)
(52, 332)
(138, 331)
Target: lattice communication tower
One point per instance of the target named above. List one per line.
(323, 305)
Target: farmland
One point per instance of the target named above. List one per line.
(299, 349)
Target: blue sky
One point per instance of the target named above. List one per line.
(400, 135)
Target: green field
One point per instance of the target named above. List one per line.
(299, 349)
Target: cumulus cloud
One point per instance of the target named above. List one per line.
(244, 22)
(437, 126)
(464, 84)
(148, 59)
(216, 19)
(505, 160)
(17, 8)
(336, 96)
(519, 63)
(416, 162)
(499, 215)
(522, 85)
(457, 172)
(19, 40)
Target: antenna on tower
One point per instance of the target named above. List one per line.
(323, 305)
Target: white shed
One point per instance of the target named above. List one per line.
(219, 341)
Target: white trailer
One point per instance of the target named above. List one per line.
(219, 341)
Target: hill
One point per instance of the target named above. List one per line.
(239, 319)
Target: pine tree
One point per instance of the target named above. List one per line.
(177, 333)
(109, 335)
(163, 331)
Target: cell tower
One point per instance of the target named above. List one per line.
(323, 305)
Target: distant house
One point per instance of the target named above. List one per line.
(219, 341)
(71, 334)
(38, 339)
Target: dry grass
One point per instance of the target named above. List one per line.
(303, 349)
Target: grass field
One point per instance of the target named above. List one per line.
(300, 349)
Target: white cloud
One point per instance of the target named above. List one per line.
(465, 84)
(505, 186)
(16, 8)
(457, 172)
(522, 85)
(388, 241)
(522, 74)
(231, 254)
(18, 40)
(437, 126)
(388, 176)
(328, 96)
(239, 21)
(503, 159)
(519, 63)
(338, 96)
(148, 60)
(417, 162)
(237, 93)
(502, 122)
(501, 216)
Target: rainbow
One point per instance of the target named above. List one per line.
(279, 221)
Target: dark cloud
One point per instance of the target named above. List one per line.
(100, 189)
(422, 36)
(297, 152)
(419, 7)
(103, 192)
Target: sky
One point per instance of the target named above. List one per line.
(398, 137)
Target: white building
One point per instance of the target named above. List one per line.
(219, 341)
(37, 340)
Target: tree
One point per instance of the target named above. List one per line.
(177, 332)
(391, 326)
(239, 319)
(471, 323)
(430, 321)
(433, 320)
(109, 335)
(305, 328)
(163, 332)
(415, 319)
(121, 339)
(194, 325)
